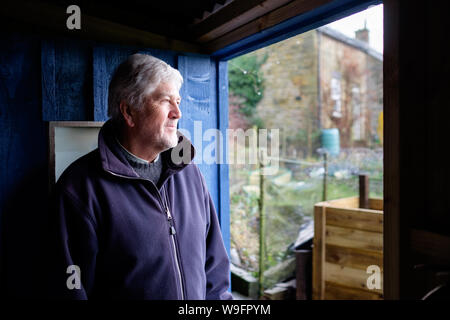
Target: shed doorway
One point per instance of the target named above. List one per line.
(319, 94)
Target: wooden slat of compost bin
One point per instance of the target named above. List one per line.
(350, 277)
(347, 240)
(351, 202)
(376, 204)
(362, 219)
(335, 291)
(318, 252)
(353, 258)
(346, 237)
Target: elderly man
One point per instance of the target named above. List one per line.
(132, 223)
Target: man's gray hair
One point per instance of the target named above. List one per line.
(135, 79)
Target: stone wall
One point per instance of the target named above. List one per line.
(291, 92)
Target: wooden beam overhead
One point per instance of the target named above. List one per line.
(204, 26)
(127, 15)
(290, 10)
(232, 16)
(52, 19)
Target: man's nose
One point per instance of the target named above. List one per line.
(175, 112)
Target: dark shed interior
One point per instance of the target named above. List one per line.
(49, 72)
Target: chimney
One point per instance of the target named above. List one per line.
(363, 34)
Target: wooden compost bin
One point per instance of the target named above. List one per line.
(347, 240)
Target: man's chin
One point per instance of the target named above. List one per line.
(170, 143)
(173, 140)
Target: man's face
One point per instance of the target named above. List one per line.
(157, 122)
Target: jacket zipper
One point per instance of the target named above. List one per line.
(172, 230)
(172, 233)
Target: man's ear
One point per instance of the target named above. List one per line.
(127, 113)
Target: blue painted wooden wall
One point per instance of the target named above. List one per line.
(57, 79)
(23, 167)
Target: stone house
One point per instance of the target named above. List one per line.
(322, 79)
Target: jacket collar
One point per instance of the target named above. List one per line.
(113, 161)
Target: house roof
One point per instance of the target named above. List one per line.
(358, 44)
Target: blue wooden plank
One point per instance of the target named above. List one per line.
(23, 166)
(310, 20)
(66, 75)
(224, 178)
(199, 109)
(100, 83)
(169, 57)
(48, 83)
(20, 114)
(73, 78)
(105, 61)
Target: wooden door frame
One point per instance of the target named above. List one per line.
(394, 236)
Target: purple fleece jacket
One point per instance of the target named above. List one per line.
(132, 239)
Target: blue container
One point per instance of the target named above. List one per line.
(330, 141)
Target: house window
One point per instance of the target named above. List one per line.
(358, 116)
(336, 95)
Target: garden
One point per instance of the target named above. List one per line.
(289, 198)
